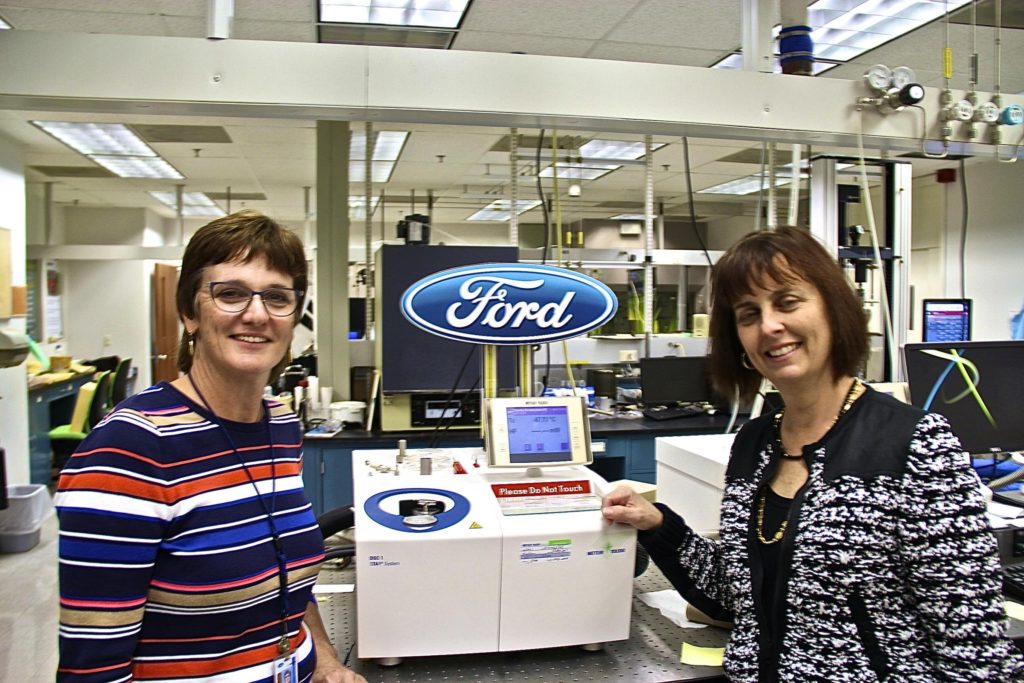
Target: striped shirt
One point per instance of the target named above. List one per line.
(168, 569)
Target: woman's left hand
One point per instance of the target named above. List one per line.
(332, 671)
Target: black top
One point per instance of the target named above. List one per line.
(776, 511)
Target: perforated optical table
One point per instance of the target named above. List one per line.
(650, 655)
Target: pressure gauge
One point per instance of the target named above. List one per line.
(961, 110)
(1013, 115)
(987, 112)
(879, 77)
(902, 76)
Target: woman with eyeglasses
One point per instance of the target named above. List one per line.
(187, 547)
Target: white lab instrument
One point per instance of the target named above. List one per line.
(486, 561)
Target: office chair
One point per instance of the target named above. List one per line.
(103, 363)
(119, 384)
(91, 405)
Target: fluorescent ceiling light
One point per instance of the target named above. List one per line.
(578, 171)
(614, 149)
(4, 24)
(357, 206)
(113, 146)
(842, 31)
(97, 138)
(742, 185)
(193, 204)
(500, 210)
(845, 29)
(427, 13)
(387, 147)
(138, 167)
(627, 217)
(380, 171)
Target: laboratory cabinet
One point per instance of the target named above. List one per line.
(50, 403)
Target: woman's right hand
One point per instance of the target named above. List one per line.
(628, 507)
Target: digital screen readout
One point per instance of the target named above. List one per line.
(538, 434)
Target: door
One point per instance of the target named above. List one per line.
(165, 323)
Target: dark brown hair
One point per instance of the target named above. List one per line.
(782, 256)
(241, 236)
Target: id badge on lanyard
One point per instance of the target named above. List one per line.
(286, 669)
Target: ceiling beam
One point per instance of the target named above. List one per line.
(190, 76)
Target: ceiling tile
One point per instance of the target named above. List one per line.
(486, 41)
(571, 19)
(705, 24)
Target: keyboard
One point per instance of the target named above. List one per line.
(1013, 581)
(672, 412)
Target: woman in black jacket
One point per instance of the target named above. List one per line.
(854, 544)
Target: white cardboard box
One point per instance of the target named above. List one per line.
(691, 477)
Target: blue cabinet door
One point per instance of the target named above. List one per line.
(337, 479)
(312, 475)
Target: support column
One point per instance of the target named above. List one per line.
(332, 235)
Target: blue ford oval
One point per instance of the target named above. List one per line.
(508, 303)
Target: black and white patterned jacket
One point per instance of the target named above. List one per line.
(892, 568)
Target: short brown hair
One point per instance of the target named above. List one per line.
(241, 236)
(782, 255)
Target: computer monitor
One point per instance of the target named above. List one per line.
(540, 431)
(976, 385)
(674, 379)
(946, 320)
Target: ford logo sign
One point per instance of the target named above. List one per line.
(508, 303)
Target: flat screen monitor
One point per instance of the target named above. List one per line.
(537, 432)
(946, 320)
(674, 379)
(976, 385)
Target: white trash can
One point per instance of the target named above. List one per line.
(28, 506)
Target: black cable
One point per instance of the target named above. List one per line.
(451, 418)
(689, 195)
(348, 655)
(963, 230)
(543, 201)
(451, 395)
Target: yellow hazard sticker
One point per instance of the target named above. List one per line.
(475, 525)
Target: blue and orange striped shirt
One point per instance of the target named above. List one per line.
(168, 569)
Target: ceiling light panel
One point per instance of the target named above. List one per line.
(380, 170)
(387, 147)
(138, 167)
(193, 204)
(578, 172)
(113, 146)
(845, 29)
(427, 13)
(97, 138)
(743, 186)
(500, 210)
(357, 206)
(4, 24)
(614, 149)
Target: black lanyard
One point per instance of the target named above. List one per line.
(283, 646)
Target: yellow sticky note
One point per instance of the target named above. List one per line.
(701, 656)
(1014, 610)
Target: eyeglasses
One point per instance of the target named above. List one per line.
(233, 298)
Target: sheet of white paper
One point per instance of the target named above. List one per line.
(333, 588)
(997, 522)
(1003, 510)
(670, 604)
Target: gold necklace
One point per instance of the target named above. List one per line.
(762, 501)
(851, 396)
